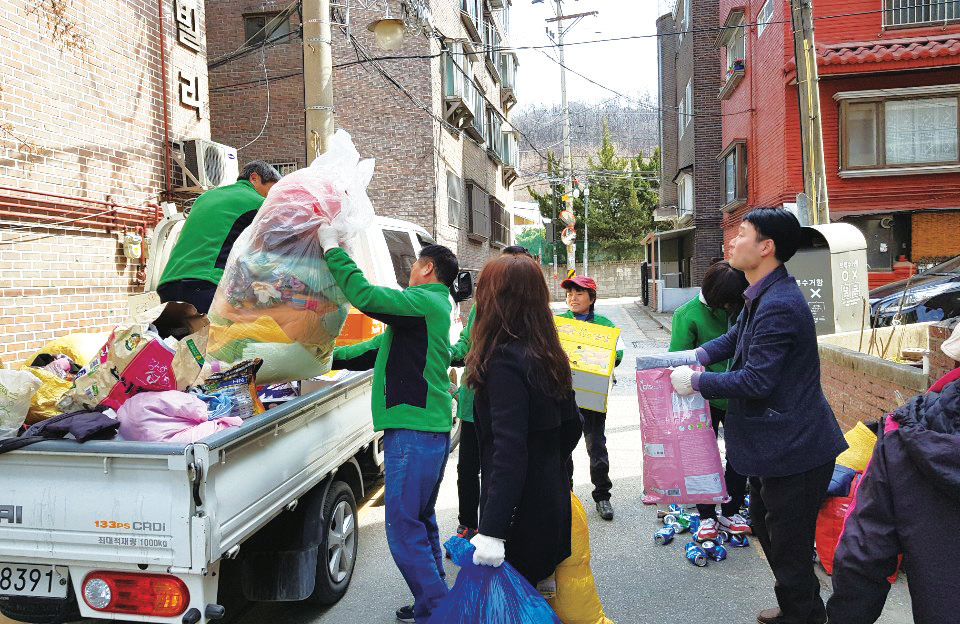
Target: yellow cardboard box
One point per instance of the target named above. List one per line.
(592, 350)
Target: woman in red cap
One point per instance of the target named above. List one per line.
(581, 298)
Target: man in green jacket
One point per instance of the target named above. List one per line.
(468, 459)
(581, 298)
(215, 221)
(411, 405)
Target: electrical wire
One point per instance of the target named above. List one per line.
(245, 46)
(266, 77)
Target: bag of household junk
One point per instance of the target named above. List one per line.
(16, 391)
(488, 595)
(277, 300)
(681, 461)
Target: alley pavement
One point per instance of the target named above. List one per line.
(638, 581)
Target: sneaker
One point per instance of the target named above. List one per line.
(735, 524)
(466, 532)
(405, 614)
(707, 530)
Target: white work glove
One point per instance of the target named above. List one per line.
(328, 236)
(489, 550)
(681, 380)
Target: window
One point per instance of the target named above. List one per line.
(913, 12)
(454, 199)
(283, 168)
(732, 40)
(478, 212)
(263, 26)
(735, 50)
(500, 218)
(734, 161)
(401, 254)
(684, 196)
(765, 16)
(890, 134)
(494, 136)
(491, 38)
(682, 19)
(685, 110)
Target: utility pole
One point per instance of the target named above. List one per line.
(811, 131)
(567, 164)
(317, 76)
(586, 220)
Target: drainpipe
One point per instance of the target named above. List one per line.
(167, 182)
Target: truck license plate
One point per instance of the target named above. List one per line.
(25, 579)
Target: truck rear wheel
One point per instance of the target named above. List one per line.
(337, 553)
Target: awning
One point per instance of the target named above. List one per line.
(688, 169)
(863, 212)
(674, 233)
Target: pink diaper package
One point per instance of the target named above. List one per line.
(681, 461)
(170, 416)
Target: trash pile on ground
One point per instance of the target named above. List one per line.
(170, 374)
(676, 520)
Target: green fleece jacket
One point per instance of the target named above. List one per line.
(694, 324)
(458, 353)
(215, 221)
(598, 320)
(410, 358)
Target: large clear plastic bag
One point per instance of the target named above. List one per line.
(16, 391)
(277, 300)
(488, 595)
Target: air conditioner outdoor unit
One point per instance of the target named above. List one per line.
(206, 165)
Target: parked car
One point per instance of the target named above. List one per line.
(931, 295)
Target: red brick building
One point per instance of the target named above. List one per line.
(890, 101)
(437, 123)
(83, 121)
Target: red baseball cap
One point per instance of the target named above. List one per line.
(580, 280)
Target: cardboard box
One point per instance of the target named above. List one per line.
(592, 350)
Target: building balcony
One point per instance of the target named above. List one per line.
(511, 157)
(734, 77)
(508, 80)
(471, 14)
(460, 95)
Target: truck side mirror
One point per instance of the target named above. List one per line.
(462, 287)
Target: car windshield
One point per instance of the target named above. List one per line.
(950, 266)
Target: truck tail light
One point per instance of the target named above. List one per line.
(137, 594)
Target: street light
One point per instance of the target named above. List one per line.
(388, 32)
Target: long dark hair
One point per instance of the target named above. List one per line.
(723, 288)
(513, 305)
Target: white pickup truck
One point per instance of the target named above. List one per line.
(156, 532)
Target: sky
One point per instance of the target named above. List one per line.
(629, 67)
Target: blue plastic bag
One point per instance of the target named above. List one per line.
(488, 595)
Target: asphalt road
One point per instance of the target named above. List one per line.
(638, 581)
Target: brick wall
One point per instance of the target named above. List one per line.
(935, 235)
(98, 117)
(940, 363)
(708, 135)
(864, 388)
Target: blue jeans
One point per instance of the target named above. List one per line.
(413, 467)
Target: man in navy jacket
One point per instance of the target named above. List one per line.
(780, 429)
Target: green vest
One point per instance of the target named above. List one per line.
(459, 351)
(215, 221)
(694, 324)
(410, 358)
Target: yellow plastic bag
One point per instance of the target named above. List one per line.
(577, 601)
(81, 348)
(861, 442)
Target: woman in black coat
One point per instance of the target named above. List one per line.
(526, 419)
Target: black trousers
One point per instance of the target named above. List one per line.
(468, 475)
(198, 292)
(783, 512)
(736, 482)
(596, 441)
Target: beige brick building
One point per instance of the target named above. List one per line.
(82, 160)
(436, 124)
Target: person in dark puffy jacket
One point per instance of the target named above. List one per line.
(907, 499)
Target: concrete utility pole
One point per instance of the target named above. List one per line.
(811, 131)
(317, 76)
(567, 153)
